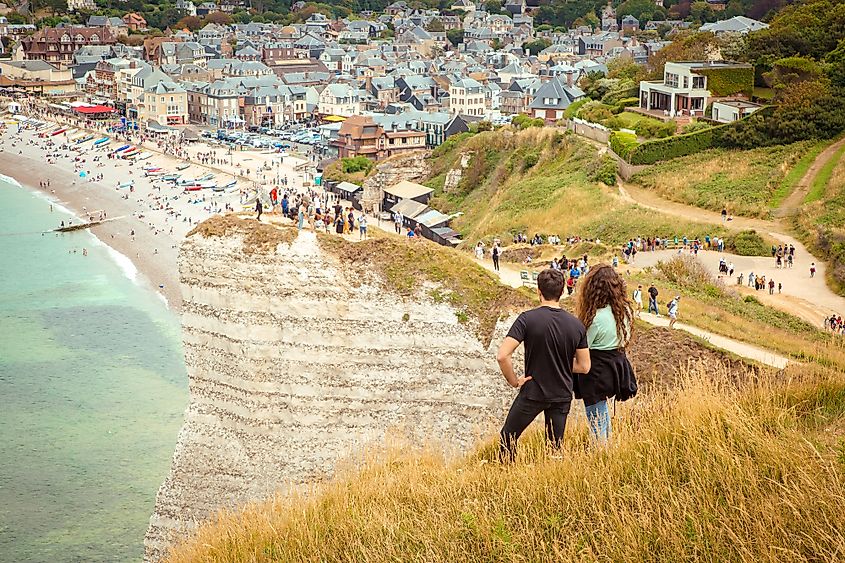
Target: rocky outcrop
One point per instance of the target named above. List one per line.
(453, 176)
(296, 361)
(412, 166)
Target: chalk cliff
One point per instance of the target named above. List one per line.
(296, 359)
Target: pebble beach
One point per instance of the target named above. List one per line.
(147, 221)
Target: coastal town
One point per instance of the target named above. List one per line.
(254, 242)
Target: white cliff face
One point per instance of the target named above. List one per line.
(295, 362)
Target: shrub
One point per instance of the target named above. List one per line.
(690, 273)
(530, 160)
(523, 121)
(623, 144)
(748, 243)
(606, 171)
(357, 164)
(572, 110)
(628, 102)
(696, 126)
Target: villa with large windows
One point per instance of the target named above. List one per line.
(685, 88)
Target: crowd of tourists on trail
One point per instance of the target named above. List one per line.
(322, 211)
(835, 324)
(784, 255)
(569, 357)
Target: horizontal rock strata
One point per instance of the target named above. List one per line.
(296, 362)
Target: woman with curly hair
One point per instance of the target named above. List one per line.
(605, 310)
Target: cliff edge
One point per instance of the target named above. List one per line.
(300, 350)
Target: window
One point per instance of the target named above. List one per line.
(698, 82)
(686, 81)
(671, 80)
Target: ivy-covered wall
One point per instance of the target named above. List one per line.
(729, 81)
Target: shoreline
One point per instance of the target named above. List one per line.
(114, 235)
(150, 220)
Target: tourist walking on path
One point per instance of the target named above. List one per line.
(258, 208)
(652, 300)
(495, 254)
(812, 269)
(638, 299)
(604, 309)
(673, 311)
(555, 348)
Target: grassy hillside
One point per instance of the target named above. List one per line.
(821, 223)
(719, 467)
(750, 183)
(540, 181)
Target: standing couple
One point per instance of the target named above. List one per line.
(567, 355)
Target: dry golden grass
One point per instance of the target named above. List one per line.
(714, 470)
(258, 237)
(405, 266)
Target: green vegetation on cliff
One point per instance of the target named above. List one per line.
(748, 182)
(540, 181)
(821, 224)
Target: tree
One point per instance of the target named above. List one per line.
(493, 6)
(436, 25)
(534, 47)
(643, 10)
(455, 36)
(191, 23)
(218, 18)
(835, 65)
(693, 46)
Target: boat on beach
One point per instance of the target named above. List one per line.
(84, 139)
(57, 132)
(99, 142)
(144, 155)
(123, 148)
(128, 184)
(170, 177)
(183, 166)
(205, 178)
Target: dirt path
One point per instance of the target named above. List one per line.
(509, 275)
(813, 299)
(792, 204)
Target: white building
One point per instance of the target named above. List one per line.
(466, 97)
(339, 99)
(683, 90)
(727, 111)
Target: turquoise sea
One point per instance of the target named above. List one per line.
(92, 392)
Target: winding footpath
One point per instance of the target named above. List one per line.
(508, 275)
(806, 297)
(810, 299)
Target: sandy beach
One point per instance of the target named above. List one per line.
(147, 222)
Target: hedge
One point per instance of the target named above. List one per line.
(679, 145)
(650, 152)
(729, 81)
(623, 144)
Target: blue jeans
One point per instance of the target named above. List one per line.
(301, 222)
(599, 420)
(652, 306)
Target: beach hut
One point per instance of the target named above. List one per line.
(406, 190)
(409, 209)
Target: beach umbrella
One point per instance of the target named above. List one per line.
(82, 174)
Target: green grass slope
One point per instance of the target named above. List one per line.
(540, 181)
(749, 182)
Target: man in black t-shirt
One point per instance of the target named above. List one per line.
(555, 348)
